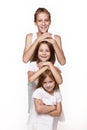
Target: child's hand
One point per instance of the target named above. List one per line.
(42, 64)
(44, 36)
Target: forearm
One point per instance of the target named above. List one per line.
(59, 54)
(54, 113)
(27, 56)
(56, 73)
(57, 111)
(36, 74)
(45, 109)
(42, 108)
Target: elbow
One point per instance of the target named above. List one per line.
(30, 80)
(24, 60)
(59, 113)
(63, 62)
(39, 110)
(60, 81)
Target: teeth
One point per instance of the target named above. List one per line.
(43, 57)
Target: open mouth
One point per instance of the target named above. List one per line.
(44, 57)
(44, 28)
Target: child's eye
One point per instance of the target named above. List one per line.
(39, 20)
(44, 82)
(47, 51)
(41, 50)
(46, 20)
(50, 81)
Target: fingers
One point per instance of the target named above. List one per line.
(45, 36)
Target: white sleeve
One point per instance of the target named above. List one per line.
(37, 94)
(32, 66)
(58, 96)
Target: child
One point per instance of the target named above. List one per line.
(42, 19)
(43, 57)
(46, 107)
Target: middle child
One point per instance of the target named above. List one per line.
(42, 59)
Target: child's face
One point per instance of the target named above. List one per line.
(42, 22)
(44, 52)
(48, 84)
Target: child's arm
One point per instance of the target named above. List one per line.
(42, 108)
(55, 71)
(32, 76)
(29, 48)
(58, 110)
(58, 49)
(57, 45)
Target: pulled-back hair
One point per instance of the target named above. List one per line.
(41, 10)
(52, 52)
(43, 76)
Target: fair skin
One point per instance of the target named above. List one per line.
(43, 23)
(54, 110)
(44, 55)
(44, 52)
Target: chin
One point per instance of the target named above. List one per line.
(44, 31)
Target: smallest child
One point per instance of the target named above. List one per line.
(46, 106)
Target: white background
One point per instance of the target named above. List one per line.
(69, 20)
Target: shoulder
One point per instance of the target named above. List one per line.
(57, 36)
(33, 63)
(28, 40)
(37, 93)
(33, 66)
(58, 39)
(29, 35)
(58, 95)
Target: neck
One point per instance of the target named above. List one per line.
(51, 93)
(39, 34)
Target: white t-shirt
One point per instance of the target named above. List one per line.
(39, 121)
(33, 67)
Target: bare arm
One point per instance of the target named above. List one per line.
(29, 48)
(42, 108)
(32, 76)
(57, 111)
(55, 71)
(59, 51)
(57, 45)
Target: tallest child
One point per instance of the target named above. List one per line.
(42, 19)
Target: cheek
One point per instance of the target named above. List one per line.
(38, 53)
(53, 84)
(49, 55)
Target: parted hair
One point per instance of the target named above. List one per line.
(42, 78)
(52, 52)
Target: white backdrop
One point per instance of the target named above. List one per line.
(69, 20)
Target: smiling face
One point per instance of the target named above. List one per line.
(42, 22)
(48, 84)
(44, 52)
